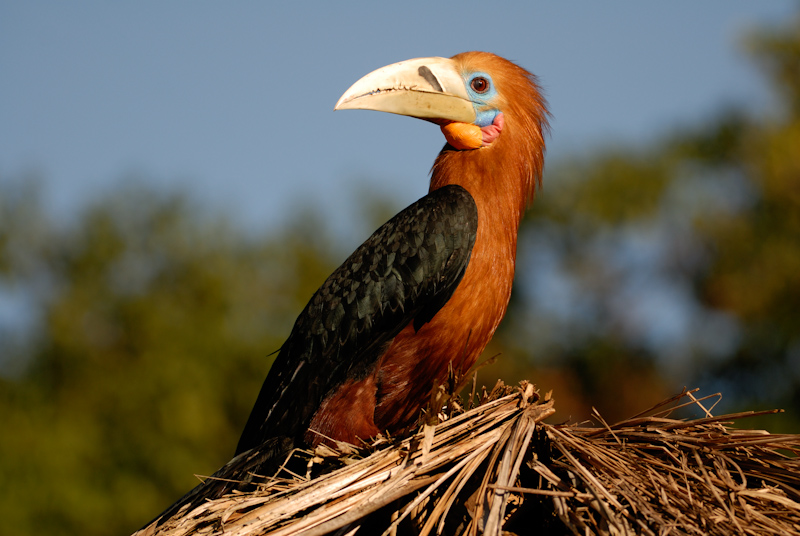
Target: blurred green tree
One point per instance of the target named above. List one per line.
(647, 268)
(151, 347)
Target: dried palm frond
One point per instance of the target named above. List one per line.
(497, 469)
(652, 474)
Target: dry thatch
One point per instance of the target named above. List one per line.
(497, 469)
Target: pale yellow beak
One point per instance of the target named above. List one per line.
(427, 88)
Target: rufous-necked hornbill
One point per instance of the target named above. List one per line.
(428, 289)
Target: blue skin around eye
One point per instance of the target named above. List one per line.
(484, 111)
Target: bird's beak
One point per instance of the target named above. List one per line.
(427, 88)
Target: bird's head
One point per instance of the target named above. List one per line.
(470, 95)
(490, 110)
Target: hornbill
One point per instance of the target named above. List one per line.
(425, 292)
(428, 289)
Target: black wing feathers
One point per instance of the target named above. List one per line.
(406, 271)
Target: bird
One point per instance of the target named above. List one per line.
(424, 294)
(426, 291)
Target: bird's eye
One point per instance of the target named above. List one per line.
(480, 84)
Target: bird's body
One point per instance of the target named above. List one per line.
(428, 289)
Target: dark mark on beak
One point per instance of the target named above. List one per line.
(426, 73)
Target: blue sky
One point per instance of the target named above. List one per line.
(233, 101)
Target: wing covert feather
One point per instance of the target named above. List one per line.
(406, 271)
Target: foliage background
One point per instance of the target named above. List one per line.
(642, 269)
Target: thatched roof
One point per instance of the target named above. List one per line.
(497, 469)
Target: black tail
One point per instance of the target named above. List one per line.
(237, 474)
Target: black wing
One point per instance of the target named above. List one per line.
(407, 270)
